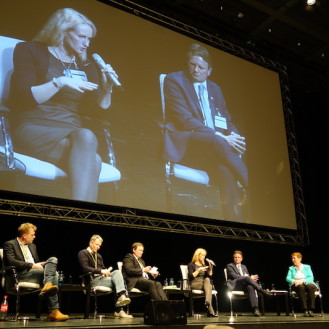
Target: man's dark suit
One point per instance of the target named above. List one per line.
(236, 281)
(184, 114)
(13, 256)
(189, 141)
(133, 274)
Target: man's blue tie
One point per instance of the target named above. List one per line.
(205, 108)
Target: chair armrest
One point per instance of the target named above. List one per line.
(4, 108)
(86, 278)
(186, 284)
(5, 140)
(6, 269)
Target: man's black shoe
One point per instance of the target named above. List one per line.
(265, 292)
(256, 312)
(306, 314)
(310, 314)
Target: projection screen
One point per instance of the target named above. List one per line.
(140, 51)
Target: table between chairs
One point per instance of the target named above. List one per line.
(278, 294)
(72, 287)
(174, 290)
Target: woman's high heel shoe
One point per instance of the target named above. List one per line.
(210, 314)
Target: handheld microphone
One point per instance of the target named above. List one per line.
(101, 64)
(210, 261)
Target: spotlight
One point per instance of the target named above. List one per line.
(311, 2)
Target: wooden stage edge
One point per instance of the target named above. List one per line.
(224, 321)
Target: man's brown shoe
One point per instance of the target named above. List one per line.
(57, 315)
(48, 290)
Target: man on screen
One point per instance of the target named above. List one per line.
(199, 132)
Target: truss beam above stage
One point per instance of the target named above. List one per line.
(130, 219)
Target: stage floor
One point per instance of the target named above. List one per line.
(223, 321)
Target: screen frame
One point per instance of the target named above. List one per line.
(59, 209)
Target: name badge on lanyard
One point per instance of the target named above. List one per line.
(75, 74)
(220, 122)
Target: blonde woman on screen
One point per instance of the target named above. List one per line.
(54, 84)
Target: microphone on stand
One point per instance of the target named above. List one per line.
(210, 261)
(101, 64)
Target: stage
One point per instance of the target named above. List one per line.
(271, 320)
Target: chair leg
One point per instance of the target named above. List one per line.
(191, 306)
(286, 301)
(321, 306)
(216, 301)
(169, 168)
(262, 304)
(231, 303)
(292, 305)
(38, 313)
(18, 301)
(87, 309)
(95, 305)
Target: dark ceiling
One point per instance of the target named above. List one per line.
(287, 31)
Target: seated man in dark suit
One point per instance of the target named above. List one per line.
(92, 262)
(140, 276)
(240, 279)
(22, 253)
(199, 132)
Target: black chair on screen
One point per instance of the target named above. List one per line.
(176, 170)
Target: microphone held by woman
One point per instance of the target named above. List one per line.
(210, 261)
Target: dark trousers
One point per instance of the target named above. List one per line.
(306, 295)
(154, 288)
(213, 154)
(246, 283)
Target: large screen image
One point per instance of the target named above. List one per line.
(102, 106)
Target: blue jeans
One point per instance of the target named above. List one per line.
(115, 281)
(48, 274)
